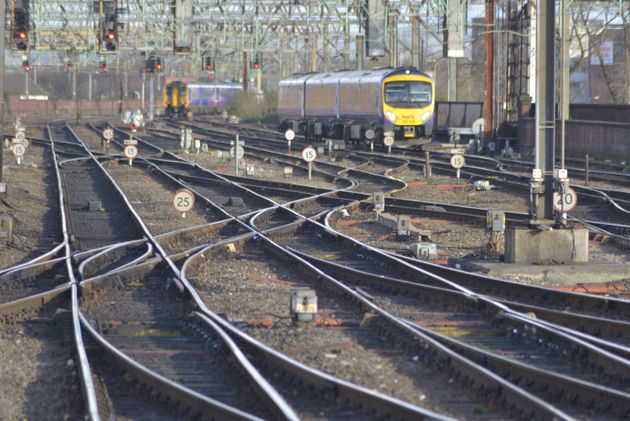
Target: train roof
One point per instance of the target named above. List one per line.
(207, 84)
(349, 75)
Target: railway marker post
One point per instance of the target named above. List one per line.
(183, 201)
(108, 135)
(19, 149)
(369, 135)
(309, 155)
(289, 135)
(457, 162)
(131, 150)
(237, 151)
(388, 141)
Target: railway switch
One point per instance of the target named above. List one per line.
(303, 304)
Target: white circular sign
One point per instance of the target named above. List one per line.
(457, 161)
(20, 136)
(569, 198)
(239, 150)
(309, 154)
(18, 149)
(108, 134)
(369, 134)
(131, 151)
(388, 140)
(289, 135)
(184, 200)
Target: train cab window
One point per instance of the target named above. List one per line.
(408, 94)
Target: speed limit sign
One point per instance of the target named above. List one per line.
(564, 202)
(183, 201)
(309, 154)
(20, 136)
(457, 161)
(18, 149)
(388, 141)
(131, 151)
(240, 152)
(108, 133)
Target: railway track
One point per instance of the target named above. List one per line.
(143, 315)
(356, 332)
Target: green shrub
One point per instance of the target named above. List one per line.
(249, 107)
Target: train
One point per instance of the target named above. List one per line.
(183, 98)
(375, 105)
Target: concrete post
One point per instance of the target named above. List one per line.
(359, 42)
(2, 31)
(545, 124)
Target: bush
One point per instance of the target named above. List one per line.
(250, 108)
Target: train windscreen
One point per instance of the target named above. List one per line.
(406, 94)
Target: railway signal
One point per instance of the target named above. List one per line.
(209, 64)
(21, 22)
(110, 34)
(69, 67)
(26, 66)
(103, 67)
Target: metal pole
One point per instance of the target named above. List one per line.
(488, 104)
(325, 55)
(26, 85)
(245, 75)
(2, 30)
(545, 124)
(151, 98)
(142, 93)
(90, 86)
(313, 53)
(236, 153)
(564, 76)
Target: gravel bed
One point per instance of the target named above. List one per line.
(32, 201)
(263, 170)
(252, 289)
(444, 189)
(37, 371)
(452, 239)
(153, 200)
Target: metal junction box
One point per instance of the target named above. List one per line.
(303, 304)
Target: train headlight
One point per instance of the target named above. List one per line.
(424, 117)
(390, 116)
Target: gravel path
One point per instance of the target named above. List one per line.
(37, 371)
(33, 203)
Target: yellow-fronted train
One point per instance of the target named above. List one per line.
(182, 98)
(358, 105)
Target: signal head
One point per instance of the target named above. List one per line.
(25, 66)
(21, 35)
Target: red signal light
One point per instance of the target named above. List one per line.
(21, 35)
(256, 66)
(25, 66)
(209, 67)
(111, 35)
(69, 68)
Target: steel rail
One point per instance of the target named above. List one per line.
(87, 384)
(484, 377)
(268, 390)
